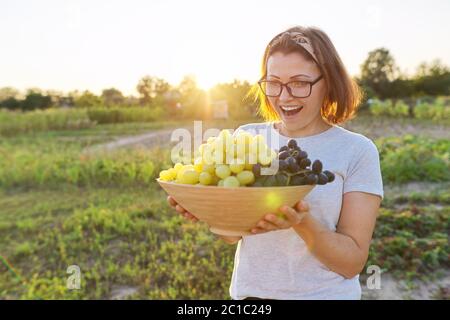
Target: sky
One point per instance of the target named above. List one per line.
(93, 45)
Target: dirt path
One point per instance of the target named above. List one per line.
(368, 126)
(148, 140)
(395, 289)
(374, 128)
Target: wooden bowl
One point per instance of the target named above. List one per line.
(233, 211)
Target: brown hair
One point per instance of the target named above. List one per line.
(343, 94)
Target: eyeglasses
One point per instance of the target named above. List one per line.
(297, 89)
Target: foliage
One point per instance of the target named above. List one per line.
(413, 158)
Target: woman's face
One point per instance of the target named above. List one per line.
(289, 67)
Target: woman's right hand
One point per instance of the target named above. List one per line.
(181, 210)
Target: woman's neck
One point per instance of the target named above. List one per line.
(309, 130)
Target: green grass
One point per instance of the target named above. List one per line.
(129, 237)
(117, 237)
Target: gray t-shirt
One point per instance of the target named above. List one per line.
(278, 264)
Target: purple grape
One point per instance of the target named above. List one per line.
(317, 166)
(330, 175)
(322, 178)
(304, 163)
(312, 178)
(292, 143)
(283, 155)
(256, 169)
(302, 154)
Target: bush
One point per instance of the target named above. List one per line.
(388, 108)
(68, 119)
(411, 242)
(50, 164)
(41, 120)
(412, 158)
(436, 111)
(125, 114)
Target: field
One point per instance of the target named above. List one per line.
(61, 206)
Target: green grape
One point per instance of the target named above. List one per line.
(245, 177)
(209, 168)
(165, 175)
(264, 158)
(236, 167)
(223, 171)
(205, 178)
(198, 167)
(220, 183)
(231, 182)
(189, 176)
(248, 165)
(178, 166)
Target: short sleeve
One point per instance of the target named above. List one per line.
(364, 172)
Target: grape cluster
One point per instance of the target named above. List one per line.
(223, 161)
(295, 169)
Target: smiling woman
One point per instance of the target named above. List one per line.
(319, 249)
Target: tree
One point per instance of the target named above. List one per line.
(87, 99)
(378, 71)
(150, 87)
(11, 104)
(9, 98)
(234, 93)
(112, 97)
(8, 92)
(36, 100)
(432, 79)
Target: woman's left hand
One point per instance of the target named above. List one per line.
(272, 221)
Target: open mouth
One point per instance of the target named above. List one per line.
(290, 110)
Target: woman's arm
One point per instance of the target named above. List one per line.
(346, 250)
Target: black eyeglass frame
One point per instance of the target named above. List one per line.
(311, 83)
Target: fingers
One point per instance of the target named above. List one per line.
(264, 226)
(185, 213)
(294, 217)
(190, 216)
(181, 210)
(302, 206)
(258, 230)
(280, 223)
(171, 201)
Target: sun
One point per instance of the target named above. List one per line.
(206, 82)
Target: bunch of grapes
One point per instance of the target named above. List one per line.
(238, 161)
(295, 169)
(224, 160)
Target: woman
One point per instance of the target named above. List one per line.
(322, 246)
